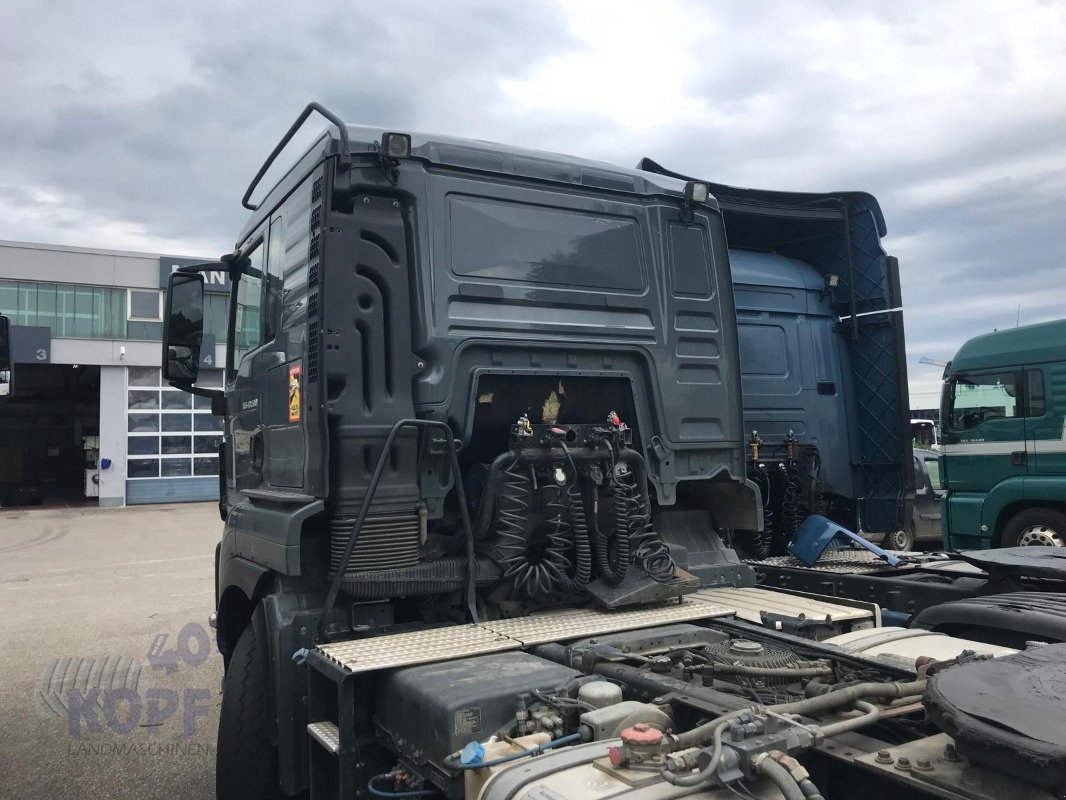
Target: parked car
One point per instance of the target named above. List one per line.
(925, 518)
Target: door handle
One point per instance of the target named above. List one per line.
(1019, 458)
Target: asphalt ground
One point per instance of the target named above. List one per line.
(109, 678)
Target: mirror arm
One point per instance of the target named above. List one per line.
(216, 396)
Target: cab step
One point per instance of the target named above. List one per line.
(326, 734)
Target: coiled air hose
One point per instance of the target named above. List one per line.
(648, 549)
(763, 540)
(582, 545)
(790, 511)
(612, 569)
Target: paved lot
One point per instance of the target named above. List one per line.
(101, 585)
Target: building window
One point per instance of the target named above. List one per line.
(95, 312)
(144, 305)
(170, 436)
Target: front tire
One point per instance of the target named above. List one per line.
(246, 758)
(1042, 527)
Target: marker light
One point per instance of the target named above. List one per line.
(396, 145)
(696, 192)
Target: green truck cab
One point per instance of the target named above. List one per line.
(1004, 439)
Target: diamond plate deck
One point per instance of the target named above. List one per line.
(416, 647)
(577, 623)
(852, 561)
(461, 641)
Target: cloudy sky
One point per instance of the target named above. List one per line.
(138, 125)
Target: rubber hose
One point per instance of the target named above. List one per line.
(781, 778)
(716, 755)
(492, 489)
(810, 791)
(376, 792)
(430, 577)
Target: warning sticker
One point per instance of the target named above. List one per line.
(466, 721)
(294, 393)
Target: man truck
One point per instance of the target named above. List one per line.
(1004, 451)
(483, 424)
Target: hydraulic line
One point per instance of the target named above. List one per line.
(753, 671)
(781, 778)
(871, 714)
(809, 706)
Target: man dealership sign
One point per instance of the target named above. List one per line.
(215, 281)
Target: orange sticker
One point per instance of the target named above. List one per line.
(294, 393)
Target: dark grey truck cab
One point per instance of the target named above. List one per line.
(562, 331)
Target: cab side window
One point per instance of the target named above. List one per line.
(1035, 405)
(976, 399)
(257, 311)
(247, 324)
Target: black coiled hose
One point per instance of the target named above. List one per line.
(582, 545)
(612, 569)
(556, 542)
(762, 541)
(533, 572)
(790, 511)
(514, 506)
(648, 549)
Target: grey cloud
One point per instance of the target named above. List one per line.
(157, 117)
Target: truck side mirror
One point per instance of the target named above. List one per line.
(183, 327)
(6, 364)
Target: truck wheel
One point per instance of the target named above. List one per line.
(246, 761)
(1043, 527)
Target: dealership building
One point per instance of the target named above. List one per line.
(89, 419)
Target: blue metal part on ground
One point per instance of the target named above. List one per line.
(818, 534)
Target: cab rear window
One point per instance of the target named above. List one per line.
(510, 241)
